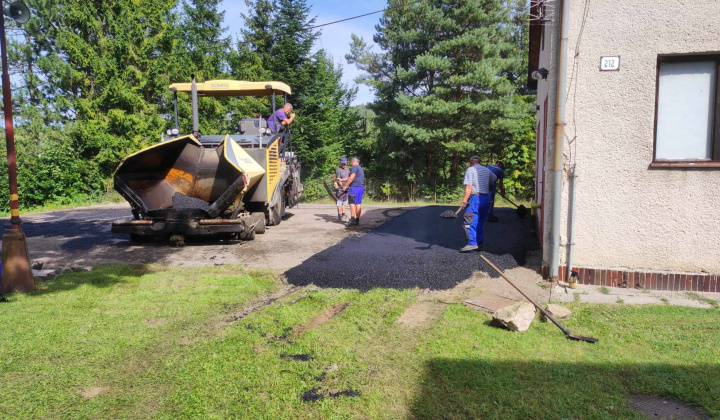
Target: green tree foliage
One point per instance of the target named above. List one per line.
(92, 84)
(92, 76)
(326, 126)
(449, 81)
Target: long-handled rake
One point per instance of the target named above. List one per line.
(543, 311)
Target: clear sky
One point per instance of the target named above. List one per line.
(334, 38)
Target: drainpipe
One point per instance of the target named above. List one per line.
(559, 141)
(571, 234)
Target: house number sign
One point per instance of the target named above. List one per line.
(610, 63)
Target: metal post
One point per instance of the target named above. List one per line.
(273, 118)
(194, 95)
(16, 272)
(176, 110)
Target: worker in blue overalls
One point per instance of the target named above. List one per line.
(476, 202)
(499, 170)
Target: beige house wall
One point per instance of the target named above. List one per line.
(627, 215)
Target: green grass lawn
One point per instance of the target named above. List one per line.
(139, 342)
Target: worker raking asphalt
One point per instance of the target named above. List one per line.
(416, 249)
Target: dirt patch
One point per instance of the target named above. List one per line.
(322, 318)
(259, 347)
(420, 314)
(93, 392)
(156, 322)
(260, 304)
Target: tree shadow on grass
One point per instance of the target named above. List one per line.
(453, 388)
(102, 276)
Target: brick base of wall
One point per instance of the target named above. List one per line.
(642, 279)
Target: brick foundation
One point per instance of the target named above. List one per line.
(646, 280)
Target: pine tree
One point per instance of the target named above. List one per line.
(445, 80)
(92, 81)
(277, 35)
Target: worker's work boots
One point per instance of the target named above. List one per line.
(471, 248)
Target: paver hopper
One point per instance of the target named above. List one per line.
(199, 185)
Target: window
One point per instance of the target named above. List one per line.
(687, 126)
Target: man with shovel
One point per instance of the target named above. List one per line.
(342, 173)
(499, 170)
(476, 203)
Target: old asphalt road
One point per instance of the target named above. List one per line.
(82, 237)
(416, 249)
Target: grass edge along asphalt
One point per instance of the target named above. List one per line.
(167, 342)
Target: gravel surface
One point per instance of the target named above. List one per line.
(82, 237)
(416, 249)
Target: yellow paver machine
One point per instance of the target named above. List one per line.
(229, 185)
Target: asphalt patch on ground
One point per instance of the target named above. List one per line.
(416, 249)
(317, 394)
(651, 406)
(297, 357)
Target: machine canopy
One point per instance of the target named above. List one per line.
(234, 88)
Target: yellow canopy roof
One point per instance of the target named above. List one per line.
(234, 88)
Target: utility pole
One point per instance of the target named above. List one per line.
(16, 272)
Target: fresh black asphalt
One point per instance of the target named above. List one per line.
(416, 249)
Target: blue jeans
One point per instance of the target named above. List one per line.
(474, 219)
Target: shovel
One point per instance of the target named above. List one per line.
(449, 214)
(543, 311)
(521, 211)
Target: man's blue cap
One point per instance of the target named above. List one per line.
(343, 160)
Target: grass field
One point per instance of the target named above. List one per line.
(140, 342)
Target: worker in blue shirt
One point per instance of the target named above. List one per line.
(498, 169)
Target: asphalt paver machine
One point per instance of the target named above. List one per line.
(229, 185)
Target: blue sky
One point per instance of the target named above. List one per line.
(334, 38)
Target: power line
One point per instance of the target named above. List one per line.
(343, 20)
(359, 16)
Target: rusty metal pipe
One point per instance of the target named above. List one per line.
(16, 272)
(210, 222)
(9, 130)
(135, 223)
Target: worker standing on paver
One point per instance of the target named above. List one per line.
(356, 184)
(341, 175)
(476, 202)
(281, 117)
(499, 170)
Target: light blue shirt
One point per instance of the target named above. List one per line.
(480, 178)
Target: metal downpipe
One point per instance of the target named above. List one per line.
(559, 141)
(571, 216)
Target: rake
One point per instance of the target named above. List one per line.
(547, 315)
